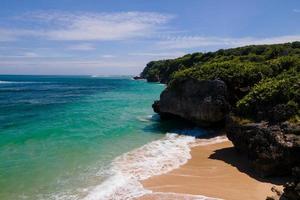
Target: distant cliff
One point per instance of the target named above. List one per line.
(253, 90)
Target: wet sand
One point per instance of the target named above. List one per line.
(215, 170)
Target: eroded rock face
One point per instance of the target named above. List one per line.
(202, 102)
(292, 189)
(273, 149)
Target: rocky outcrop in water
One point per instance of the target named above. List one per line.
(202, 102)
(273, 149)
(137, 78)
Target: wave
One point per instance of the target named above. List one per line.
(15, 82)
(6, 82)
(155, 158)
(149, 118)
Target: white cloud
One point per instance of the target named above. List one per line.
(30, 58)
(30, 54)
(70, 65)
(159, 54)
(22, 55)
(6, 35)
(296, 10)
(189, 42)
(93, 26)
(82, 47)
(108, 56)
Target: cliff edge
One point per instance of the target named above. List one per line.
(258, 85)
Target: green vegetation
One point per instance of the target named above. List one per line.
(263, 80)
(163, 69)
(275, 98)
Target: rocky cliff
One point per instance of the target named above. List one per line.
(292, 189)
(273, 149)
(202, 102)
(256, 83)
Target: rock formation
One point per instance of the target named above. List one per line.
(202, 102)
(256, 83)
(292, 189)
(273, 149)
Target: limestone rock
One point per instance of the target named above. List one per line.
(202, 102)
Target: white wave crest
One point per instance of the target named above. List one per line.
(149, 118)
(15, 82)
(6, 82)
(157, 157)
(214, 140)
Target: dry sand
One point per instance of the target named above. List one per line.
(215, 170)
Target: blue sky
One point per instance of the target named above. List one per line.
(118, 37)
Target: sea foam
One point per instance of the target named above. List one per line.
(15, 82)
(6, 82)
(155, 158)
(148, 118)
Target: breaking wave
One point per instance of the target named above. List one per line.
(155, 158)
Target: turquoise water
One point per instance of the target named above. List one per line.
(59, 134)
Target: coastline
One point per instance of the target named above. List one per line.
(215, 171)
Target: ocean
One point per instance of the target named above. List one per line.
(82, 137)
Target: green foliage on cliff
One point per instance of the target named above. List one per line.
(163, 69)
(239, 75)
(263, 80)
(276, 98)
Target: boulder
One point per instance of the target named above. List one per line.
(291, 190)
(274, 149)
(202, 102)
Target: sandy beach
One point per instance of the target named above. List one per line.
(216, 171)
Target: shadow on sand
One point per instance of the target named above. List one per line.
(231, 156)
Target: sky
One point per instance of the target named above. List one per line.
(118, 37)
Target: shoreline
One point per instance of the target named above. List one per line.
(215, 171)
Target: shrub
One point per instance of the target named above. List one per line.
(268, 96)
(259, 77)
